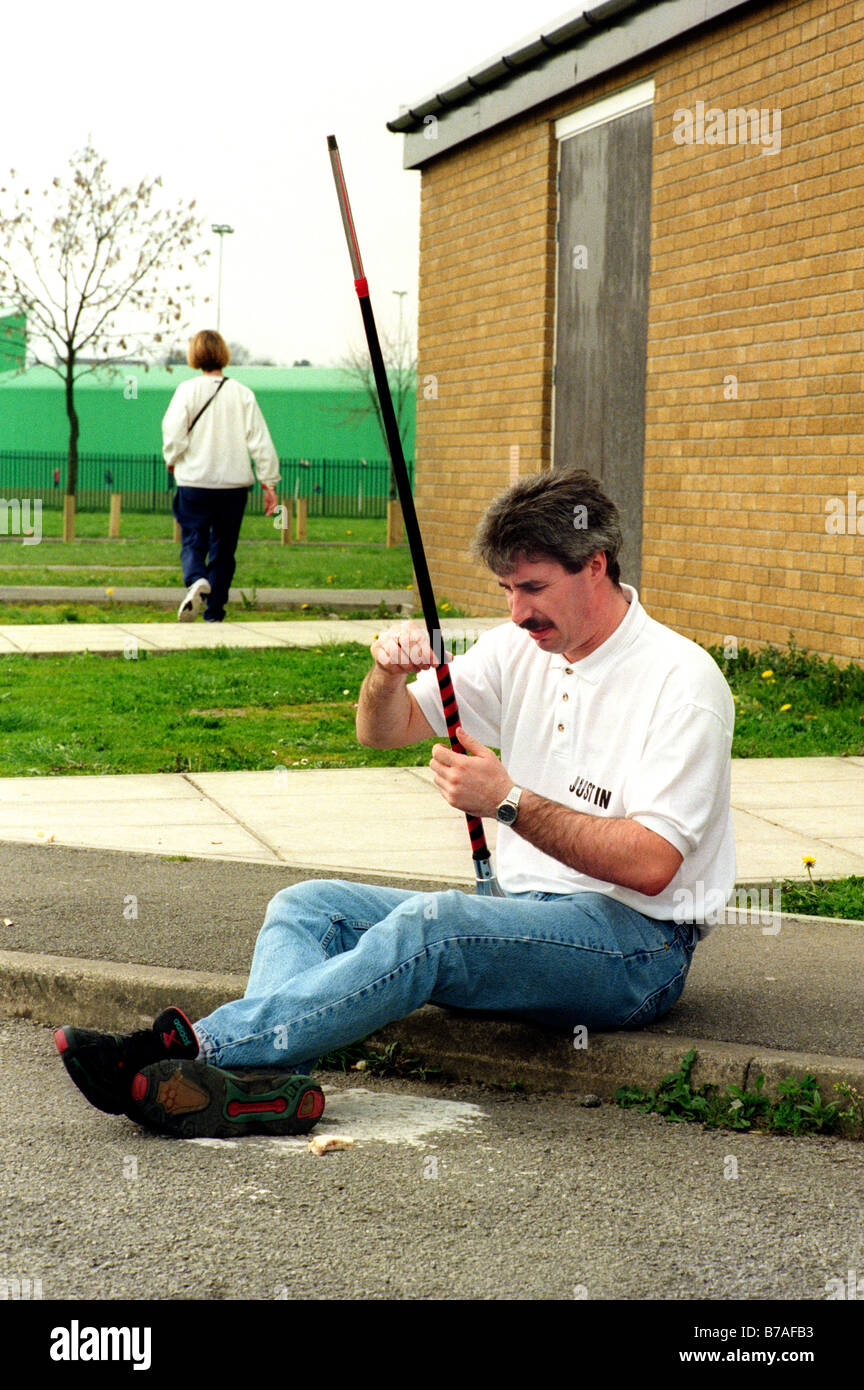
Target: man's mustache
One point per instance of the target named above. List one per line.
(534, 625)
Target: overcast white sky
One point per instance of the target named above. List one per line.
(232, 105)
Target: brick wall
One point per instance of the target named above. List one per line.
(754, 387)
(487, 292)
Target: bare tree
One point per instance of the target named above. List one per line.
(95, 271)
(400, 360)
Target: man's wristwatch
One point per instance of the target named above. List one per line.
(509, 808)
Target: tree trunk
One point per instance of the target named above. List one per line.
(72, 470)
(394, 523)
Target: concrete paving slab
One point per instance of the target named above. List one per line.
(169, 637)
(850, 844)
(803, 772)
(120, 815)
(765, 851)
(823, 823)
(154, 786)
(320, 634)
(327, 786)
(346, 821)
(62, 638)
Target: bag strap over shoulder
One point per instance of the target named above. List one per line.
(208, 401)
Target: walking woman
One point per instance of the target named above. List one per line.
(210, 429)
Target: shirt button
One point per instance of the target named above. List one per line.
(565, 697)
(568, 671)
(560, 728)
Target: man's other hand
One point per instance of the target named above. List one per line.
(475, 781)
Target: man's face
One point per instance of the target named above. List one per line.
(564, 613)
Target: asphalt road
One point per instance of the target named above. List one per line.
(192, 914)
(462, 1193)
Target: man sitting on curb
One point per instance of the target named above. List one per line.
(612, 793)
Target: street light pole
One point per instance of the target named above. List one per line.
(401, 294)
(222, 230)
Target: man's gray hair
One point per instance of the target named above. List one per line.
(562, 514)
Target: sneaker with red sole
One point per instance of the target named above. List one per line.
(193, 1100)
(103, 1065)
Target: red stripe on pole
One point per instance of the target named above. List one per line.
(362, 287)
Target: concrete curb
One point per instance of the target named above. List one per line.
(111, 996)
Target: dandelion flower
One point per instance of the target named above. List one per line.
(784, 707)
(807, 859)
(767, 675)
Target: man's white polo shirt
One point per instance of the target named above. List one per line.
(641, 728)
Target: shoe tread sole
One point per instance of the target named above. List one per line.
(192, 1100)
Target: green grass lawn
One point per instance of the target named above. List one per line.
(144, 526)
(341, 553)
(793, 705)
(187, 712)
(89, 713)
(843, 897)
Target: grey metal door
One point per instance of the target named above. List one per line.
(604, 229)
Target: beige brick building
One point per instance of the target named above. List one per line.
(641, 252)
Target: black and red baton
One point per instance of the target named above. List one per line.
(486, 883)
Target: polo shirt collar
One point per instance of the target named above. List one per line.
(592, 668)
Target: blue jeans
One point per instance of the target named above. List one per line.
(210, 519)
(335, 961)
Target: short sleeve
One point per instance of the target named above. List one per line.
(476, 677)
(680, 785)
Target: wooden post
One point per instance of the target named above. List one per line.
(68, 517)
(394, 522)
(301, 518)
(285, 515)
(114, 515)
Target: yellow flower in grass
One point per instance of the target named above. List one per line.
(808, 861)
(109, 592)
(784, 707)
(768, 675)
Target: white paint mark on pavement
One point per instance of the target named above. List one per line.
(365, 1116)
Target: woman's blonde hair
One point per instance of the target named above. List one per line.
(208, 351)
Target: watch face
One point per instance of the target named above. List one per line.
(506, 813)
